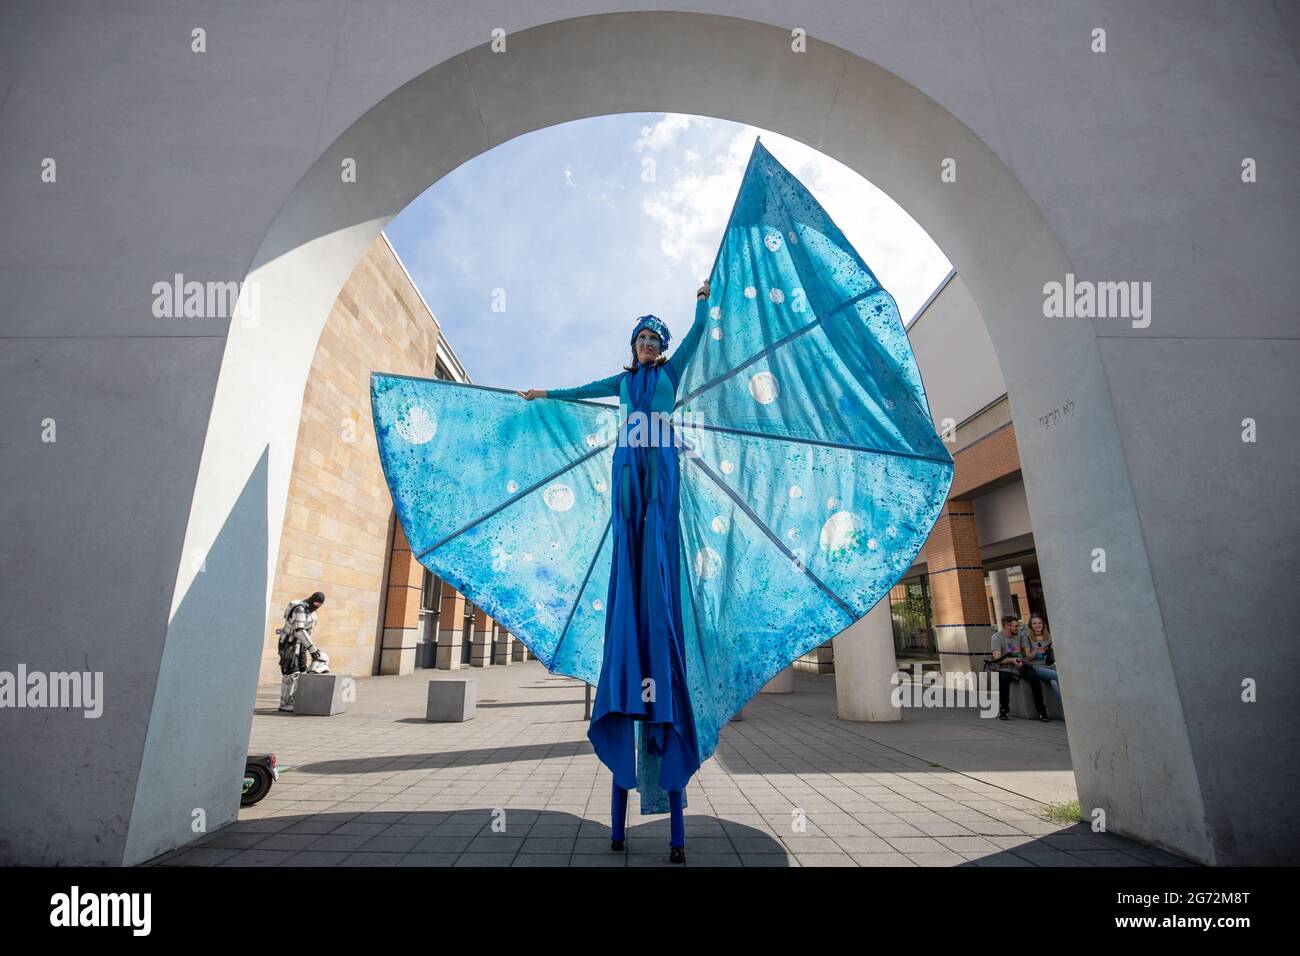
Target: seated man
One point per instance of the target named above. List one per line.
(1007, 661)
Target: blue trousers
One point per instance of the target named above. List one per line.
(1049, 674)
(618, 815)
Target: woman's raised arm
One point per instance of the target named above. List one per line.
(687, 348)
(684, 351)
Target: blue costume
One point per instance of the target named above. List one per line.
(643, 673)
(810, 477)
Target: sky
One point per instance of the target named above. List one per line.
(537, 256)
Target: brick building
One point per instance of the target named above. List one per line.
(384, 612)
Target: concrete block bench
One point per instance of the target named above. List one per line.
(451, 701)
(1022, 701)
(320, 695)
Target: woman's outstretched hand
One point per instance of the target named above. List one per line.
(532, 393)
(704, 291)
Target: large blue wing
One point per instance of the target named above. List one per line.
(509, 502)
(815, 474)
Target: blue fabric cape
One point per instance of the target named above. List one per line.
(811, 478)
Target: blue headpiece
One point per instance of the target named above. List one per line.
(655, 325)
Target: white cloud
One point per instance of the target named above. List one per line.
(692, 211)
(664, 133)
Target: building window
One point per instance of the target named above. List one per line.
(913, 618)
(430, 608)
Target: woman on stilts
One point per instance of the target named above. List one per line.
(643, 674)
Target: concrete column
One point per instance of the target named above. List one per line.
(864, 663)
(1020, 591)
(782, 683)
(961, 609)
(503, 646)
(481, 639)
(451, 628)
(401, 608)
(1001, 592)
(820, 660)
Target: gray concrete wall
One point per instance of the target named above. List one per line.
(1121, 165)
(1002, 514)
(958, 363)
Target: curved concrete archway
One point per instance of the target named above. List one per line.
(850, 109)
(1163, 743)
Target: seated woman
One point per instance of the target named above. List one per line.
(1038, 652)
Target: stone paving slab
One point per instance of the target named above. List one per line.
(519, 785)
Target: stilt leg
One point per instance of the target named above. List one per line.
(618, 816)
(677, 825)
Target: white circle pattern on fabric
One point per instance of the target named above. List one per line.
(750, 292)
(707, 563)
(719, 524)
(794, 240)
(776, 295)
(773, 241)
(558, 497)
(841, 531)
(715, 313)
(512, 486)
(726, 466)
(717, 334)
(598, 605)
(796, 491)
(764, 388)
(416, 424)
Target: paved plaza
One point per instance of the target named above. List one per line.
(519, 785)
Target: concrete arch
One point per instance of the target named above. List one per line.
(1163, 745)
(843, 105)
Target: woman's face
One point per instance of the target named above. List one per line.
(1036, 625)
(647, 346)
